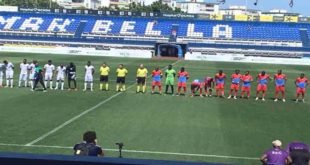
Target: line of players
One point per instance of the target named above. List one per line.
(35, 75)
(32, 74)
(218, 81)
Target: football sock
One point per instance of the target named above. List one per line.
(138, 88)
(143, 88)
(62, 85)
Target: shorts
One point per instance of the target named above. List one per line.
(9, 74)
(48, 76)
(23, 77)
(181, 84)
(219, 86)
(156, 83)
(60, 78)
(31, 76)
(234, 87)
(170, 81)
(89, 78)
(280, 88)
(104, 78)
(261, 87)
(195, 86)
(207, 86)
(300, 90)
(246, 89)
(141, 80)
(120, 80)
(71, 77)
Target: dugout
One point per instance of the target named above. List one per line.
(170, 49)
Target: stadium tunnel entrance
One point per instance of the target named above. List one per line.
(170, 50)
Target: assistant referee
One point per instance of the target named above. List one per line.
(121, 73)
(141, 78)
(104, 76)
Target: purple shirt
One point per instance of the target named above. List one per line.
(276, 156)
(297, 146)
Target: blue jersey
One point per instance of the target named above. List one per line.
(280, 79)
(183, 76)
(156, 75)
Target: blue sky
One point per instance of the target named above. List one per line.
(300, 6)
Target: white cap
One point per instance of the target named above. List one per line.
(277, 143)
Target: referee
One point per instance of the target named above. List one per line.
(38, 78)
(104, 76)
(141, 78)
(121, 73)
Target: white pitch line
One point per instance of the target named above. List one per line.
(81, 114)
(143, 152)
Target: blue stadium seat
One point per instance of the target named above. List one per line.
(157, 27)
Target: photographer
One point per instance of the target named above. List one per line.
(89, 146)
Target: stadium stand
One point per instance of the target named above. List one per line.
(270, 39)
(81, 26)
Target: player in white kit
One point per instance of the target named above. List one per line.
(9, 73)
(23, 76)
(60, 72)
(49, 69)
(2, 69)
(32, 70)
(89, 72)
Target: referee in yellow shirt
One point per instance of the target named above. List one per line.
(121, 73)
(104, 76)
(141, 78)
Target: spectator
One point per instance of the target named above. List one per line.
(89, 146)
(299, 152)
(276, 156)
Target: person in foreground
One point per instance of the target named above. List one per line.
(89, 146)
(299, 152)
(276, 156)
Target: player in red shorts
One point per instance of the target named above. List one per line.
(157, 75)
(195, 86)
(183, 76)
(301, 85)
(247, 79)
(220, 83)
(235, 84)
(262, 80)
(208, 85)
(280, 81)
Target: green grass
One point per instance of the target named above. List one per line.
(208, 126)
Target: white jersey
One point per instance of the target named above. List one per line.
(89, 69)
(9, 67)
(61, 71)
(23, 68)
(32, 68)
(49, 69)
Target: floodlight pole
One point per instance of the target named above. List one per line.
(246, 6)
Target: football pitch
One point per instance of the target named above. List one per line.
(151, 126)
